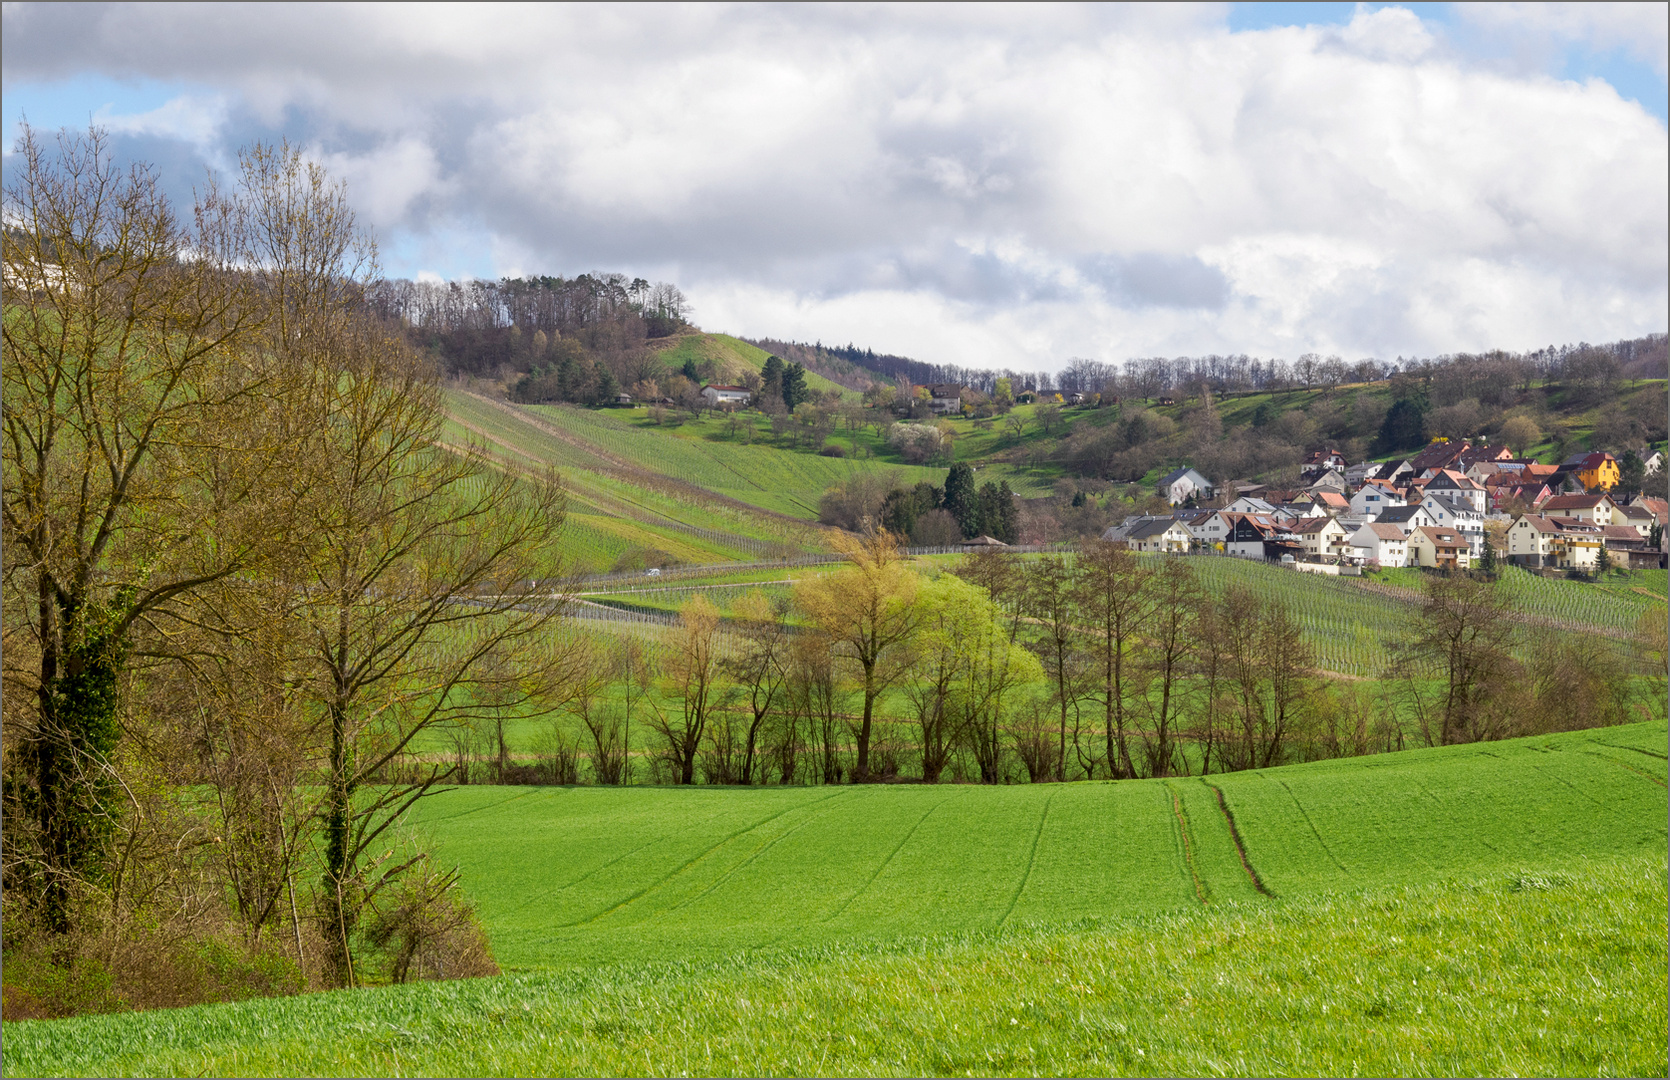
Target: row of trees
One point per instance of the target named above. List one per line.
(242, 580)
(926, 515)
(1094, 664)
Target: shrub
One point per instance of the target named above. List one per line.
(833, 450)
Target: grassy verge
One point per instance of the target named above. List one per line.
(1544, 971)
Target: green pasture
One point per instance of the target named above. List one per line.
(1481, 910)
(733, 358)
(584, 876)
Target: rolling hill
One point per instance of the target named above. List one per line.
(1489, 909)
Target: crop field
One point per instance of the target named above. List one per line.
(1481, 910)
(782, 481)
(568, 876)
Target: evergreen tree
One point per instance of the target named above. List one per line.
(1632, 475)
(771, 377)
(794, 386)
(1603, 561)
(1405, 425)
(1488, 562)
(689, 371)
(997, 512)
(605, 386)
(962, 500)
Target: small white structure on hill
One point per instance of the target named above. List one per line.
(726, 395)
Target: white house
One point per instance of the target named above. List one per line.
(1247, 504)
(1179, 484)
(717, 395)
(1160, 534)
(1406, 519)
(1384, 544)
(1213, 528)
(1439, 547)
(1371, 499)
(1452, 485)
(1460, 515)
(945, 397)
(1323, 538)
(1653, 462)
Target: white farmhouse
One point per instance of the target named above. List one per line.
(1384, 544)
(1179, 484)
(717, 395)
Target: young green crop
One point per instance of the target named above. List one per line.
(568, 876)
(1552, 969)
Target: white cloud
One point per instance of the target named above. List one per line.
(1641, 29)
(998, 185)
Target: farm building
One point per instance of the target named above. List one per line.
(717, 395)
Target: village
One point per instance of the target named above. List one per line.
(1451, 506)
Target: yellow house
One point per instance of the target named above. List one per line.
(1596, 470)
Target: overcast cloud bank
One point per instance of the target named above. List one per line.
(986, 186)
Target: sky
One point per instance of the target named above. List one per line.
(986, 185)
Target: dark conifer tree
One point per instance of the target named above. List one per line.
(962, 500)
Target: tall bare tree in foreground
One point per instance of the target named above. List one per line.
(413, 604)
(136, 460)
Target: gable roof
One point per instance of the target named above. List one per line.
(1177, 474)
(1394, 514)
(1537, 522)
(1385, 532)
(1575, 502)
(722, 386)
(945, 390)
(1438, 455)
(1439, 536)
(1450, 480)
(1335, 499)
(1454, 504)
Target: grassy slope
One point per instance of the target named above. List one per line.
(593, 875)
(732, 356)
(1470, 910)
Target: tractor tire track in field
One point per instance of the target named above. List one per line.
(1030, 859)
(1188, 845)
(1235, 835)
(1598, 802)
(478, 809)
(862, 889)
(1637, 749)
(1614, 761)
(654, 885)
(761, 850)
(1313, 830)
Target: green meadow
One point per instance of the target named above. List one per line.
(1495, 910)
(591, 875)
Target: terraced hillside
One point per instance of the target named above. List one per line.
(583, 876)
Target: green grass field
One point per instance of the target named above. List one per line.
(1495, 909)
(567, 876)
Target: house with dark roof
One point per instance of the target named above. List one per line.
(1405, 519)
(945, 397)
(1177, 485)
